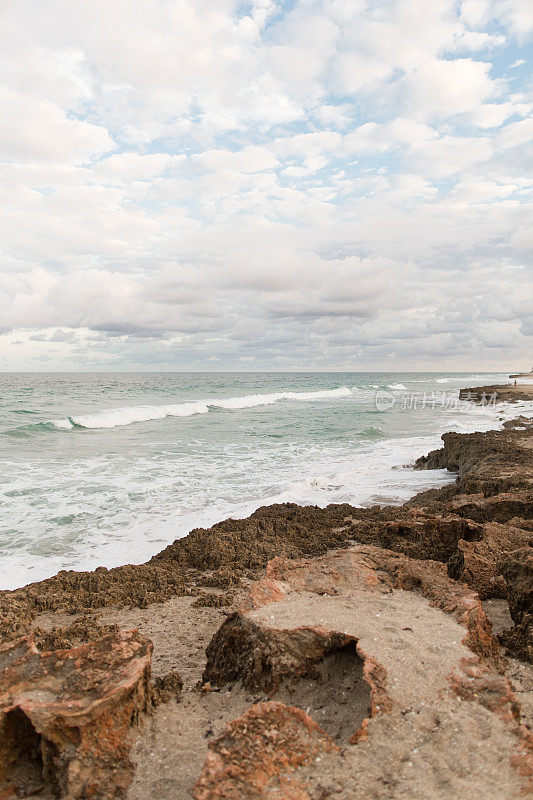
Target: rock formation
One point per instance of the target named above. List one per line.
(65, 715)
(256, 755)
(356, 661)
(367, 641)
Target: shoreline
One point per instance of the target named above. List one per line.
(178, 568)
(466, 540)
(479, 395)
(359, 475)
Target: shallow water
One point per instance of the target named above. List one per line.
(106, 469)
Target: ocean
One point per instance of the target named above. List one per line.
(107, 469)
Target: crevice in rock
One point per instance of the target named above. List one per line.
(320, 672)
(334, 693)
(21, 756)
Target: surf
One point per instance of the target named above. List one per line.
(118, 417)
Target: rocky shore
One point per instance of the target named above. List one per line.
(301, 653)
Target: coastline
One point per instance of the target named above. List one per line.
(472, 536)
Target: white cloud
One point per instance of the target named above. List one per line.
(262, 181)
(440, 89)
(247, 160)
(516, 133)
(38, 130)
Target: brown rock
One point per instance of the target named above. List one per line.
(501, 507)
(310, 625)
(256, 754)
(65, 715)
(479, 563)
(217, 556)
(262, 658)
(517, 570)
(498, 393)
(166, 688)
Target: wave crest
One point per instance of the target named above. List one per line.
(117, 417)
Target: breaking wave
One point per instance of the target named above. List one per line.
(117, 417)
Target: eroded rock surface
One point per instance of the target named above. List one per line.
(375, 658)
(517, 570)
(495, 393)
(457, 525)
(257, 754)
(423, 646)
(65, 715)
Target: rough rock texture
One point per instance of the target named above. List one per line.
(498, 394)
(377, 653)
(517, 571)
(494, 489)
(65, 715)
(256, 754)
(216, 557)
(167, 687)
(470, 525)
(422, 640)
(473, 525)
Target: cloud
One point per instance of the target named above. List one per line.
(310, 184)
(41, 131)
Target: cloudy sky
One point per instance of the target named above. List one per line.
(310, 184)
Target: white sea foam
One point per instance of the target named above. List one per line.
(117, 417)
(398, 386)
(62, 423)
(111, 500)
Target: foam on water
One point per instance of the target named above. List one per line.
(117, 417)
(94, 489)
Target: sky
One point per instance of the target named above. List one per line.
(266, 185)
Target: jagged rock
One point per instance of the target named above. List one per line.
(498, 394)
(256, 754)
(82, 630)
(166, 688)
(479, 563)
(418, 640)
(494, 458)
(216, 556)
(415, 533)
(496, 467)
(384, 648)
(517, 570)
(471, 550)
(65, 715)
(495, 508)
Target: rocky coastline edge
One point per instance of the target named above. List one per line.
(298, 653)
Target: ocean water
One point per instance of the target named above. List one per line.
(107, 469)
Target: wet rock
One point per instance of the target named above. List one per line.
(498, 394)
(65, 715)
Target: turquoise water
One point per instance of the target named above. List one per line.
(106, 469)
